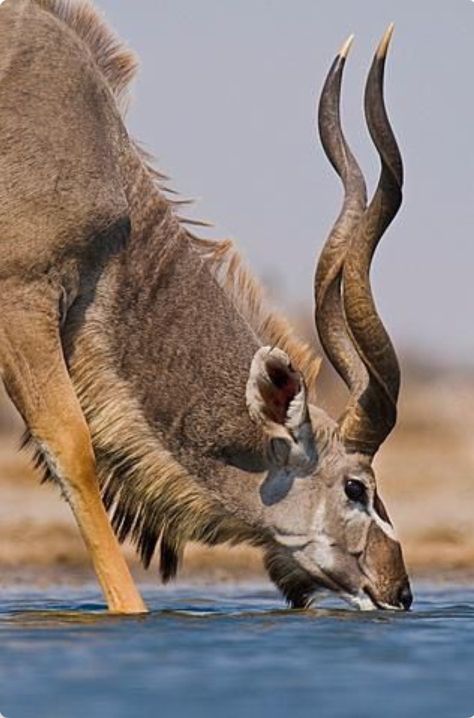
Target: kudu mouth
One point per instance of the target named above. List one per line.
(367, 599)
(405, 599)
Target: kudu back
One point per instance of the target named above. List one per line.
(142, 357)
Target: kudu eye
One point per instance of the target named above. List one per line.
(356, 490)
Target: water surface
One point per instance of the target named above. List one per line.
(234, 652)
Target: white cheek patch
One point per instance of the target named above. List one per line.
(324, 553)
(360, 601)
(383, 525)
(323, 550)
(318, 517)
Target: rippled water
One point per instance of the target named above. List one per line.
(235, 652)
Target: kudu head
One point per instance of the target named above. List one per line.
(319, 497)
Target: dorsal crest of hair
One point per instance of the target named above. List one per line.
(116, 61)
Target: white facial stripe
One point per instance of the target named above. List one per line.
(383, 525)
(291, 540)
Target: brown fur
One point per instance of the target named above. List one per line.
(119, 66)
(248, 297)
(151, 495)
(116, 62)
(161, 332)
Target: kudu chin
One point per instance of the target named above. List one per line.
(141, 356)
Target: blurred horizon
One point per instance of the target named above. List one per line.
(225, 100)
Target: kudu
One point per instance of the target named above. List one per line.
(141, 357)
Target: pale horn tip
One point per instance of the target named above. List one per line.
(385, 42)
(344, 51)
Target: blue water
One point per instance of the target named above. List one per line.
(206, 652)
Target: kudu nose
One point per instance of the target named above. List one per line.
(405, 596)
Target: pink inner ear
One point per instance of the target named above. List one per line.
(285, 386)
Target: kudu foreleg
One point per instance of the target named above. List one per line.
(37, 380)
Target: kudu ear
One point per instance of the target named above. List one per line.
(276, 399)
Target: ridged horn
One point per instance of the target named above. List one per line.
(371, 413)
(329, 315)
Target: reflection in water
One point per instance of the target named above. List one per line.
(235, 652)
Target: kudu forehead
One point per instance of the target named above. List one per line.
(335, 459)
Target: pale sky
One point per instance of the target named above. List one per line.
(225, 100)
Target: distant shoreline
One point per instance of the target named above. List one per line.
(58, 559)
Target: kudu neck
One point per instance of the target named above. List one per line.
(183, 346)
